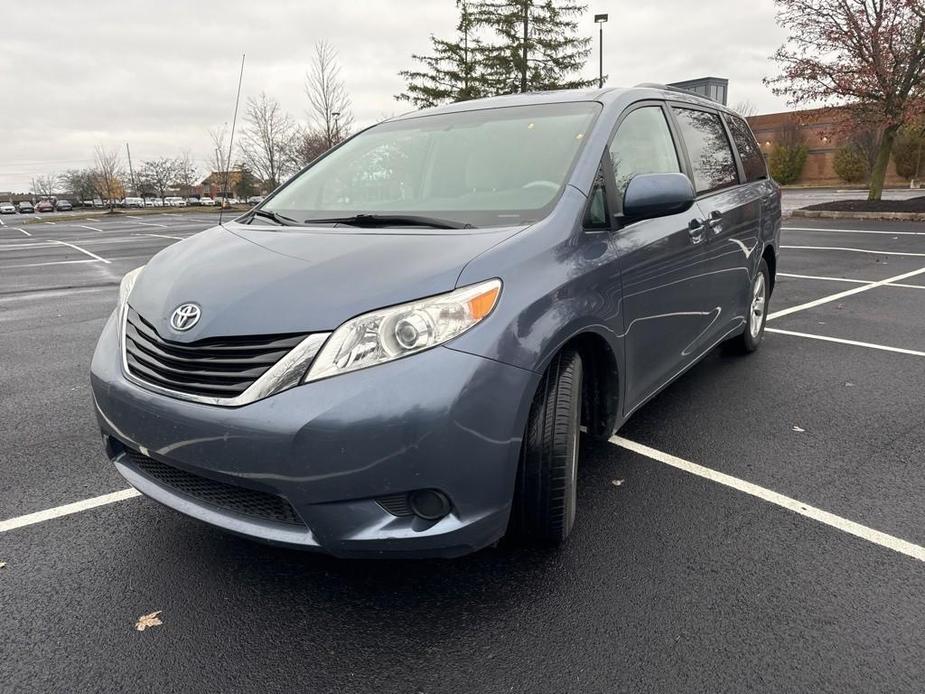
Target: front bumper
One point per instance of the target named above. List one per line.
(441, 419)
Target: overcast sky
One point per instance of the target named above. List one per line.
(159, 75)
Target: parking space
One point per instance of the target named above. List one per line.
(759, 525)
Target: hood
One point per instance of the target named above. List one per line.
(254, 280)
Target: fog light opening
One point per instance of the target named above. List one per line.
(429, 504)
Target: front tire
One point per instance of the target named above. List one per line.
(545, 495)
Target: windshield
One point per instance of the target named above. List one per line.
(483, 168)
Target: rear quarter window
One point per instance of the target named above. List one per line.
(751, 156)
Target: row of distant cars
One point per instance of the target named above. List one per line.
(26, 207)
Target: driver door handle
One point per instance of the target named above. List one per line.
(716, 222)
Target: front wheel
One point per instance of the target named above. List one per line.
(757, 316)
(545, 494)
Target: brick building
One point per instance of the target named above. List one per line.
(823, 133)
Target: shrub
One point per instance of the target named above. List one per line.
(909, 152)
(851, 164)
(786, 162)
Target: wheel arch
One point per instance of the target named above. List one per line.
(770, 257)
(600, 381)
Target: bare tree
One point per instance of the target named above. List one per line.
(269, 140)
(219, 159)
(79, 182)
(745, 108)
(107, 171)
(185, 173)
(45, 186)
(327, 97)
(158, 175)
(311, 145)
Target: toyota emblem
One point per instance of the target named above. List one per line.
(184, 317)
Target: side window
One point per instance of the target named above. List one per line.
(712, 161)
(642, 145)
(752, 159)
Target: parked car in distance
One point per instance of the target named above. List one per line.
(98, 203)
(44, 206)
(405, 367)
(255, 199)
(207, 201)
(7, 208)
(133, 202)
(192, 201)
(174, 201)
(64, 206)
(25, 207)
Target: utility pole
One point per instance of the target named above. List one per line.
(131, 171)
(523, 69)
(600, 20)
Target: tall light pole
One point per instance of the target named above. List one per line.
(336, 135)
(600, 20)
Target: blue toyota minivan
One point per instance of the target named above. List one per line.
(395, 352)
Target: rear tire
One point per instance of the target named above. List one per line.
(759, 294)
(545, 495)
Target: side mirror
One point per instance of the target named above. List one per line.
(657, 195)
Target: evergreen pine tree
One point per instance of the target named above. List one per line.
(538, 48)
(453, 72)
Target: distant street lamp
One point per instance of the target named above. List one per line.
(600, 20)
(336, 137)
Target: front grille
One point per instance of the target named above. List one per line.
(222, 367)
(228, 497)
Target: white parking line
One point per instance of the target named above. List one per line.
(54, 262)
(19, 246)
(152, 224)
(162, 236)
(48, 222)
(67, 509)
(82, 226)
(855, 343)
(132, 216)
(847, 526)
(852, 250)
(857, 231)
(84, 251)
(23, 231)
(841, 295)
(846, 280)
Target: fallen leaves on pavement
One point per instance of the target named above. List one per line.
(148, 620)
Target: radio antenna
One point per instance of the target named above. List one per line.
(234, 121)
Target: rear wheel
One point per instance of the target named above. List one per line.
(757, 316)
(545, 494)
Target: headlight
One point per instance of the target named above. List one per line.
(128, 282)
(396, 332)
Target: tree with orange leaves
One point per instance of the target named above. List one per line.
(866, 54)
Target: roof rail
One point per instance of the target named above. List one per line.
(667, 88)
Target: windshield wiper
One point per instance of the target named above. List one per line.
(280, 219)
(386, 220)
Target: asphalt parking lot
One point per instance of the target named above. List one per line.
(759, 526)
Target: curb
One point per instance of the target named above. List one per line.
(895, 216)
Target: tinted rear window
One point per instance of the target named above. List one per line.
(712, 161)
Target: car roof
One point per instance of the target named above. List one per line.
(610, 96)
